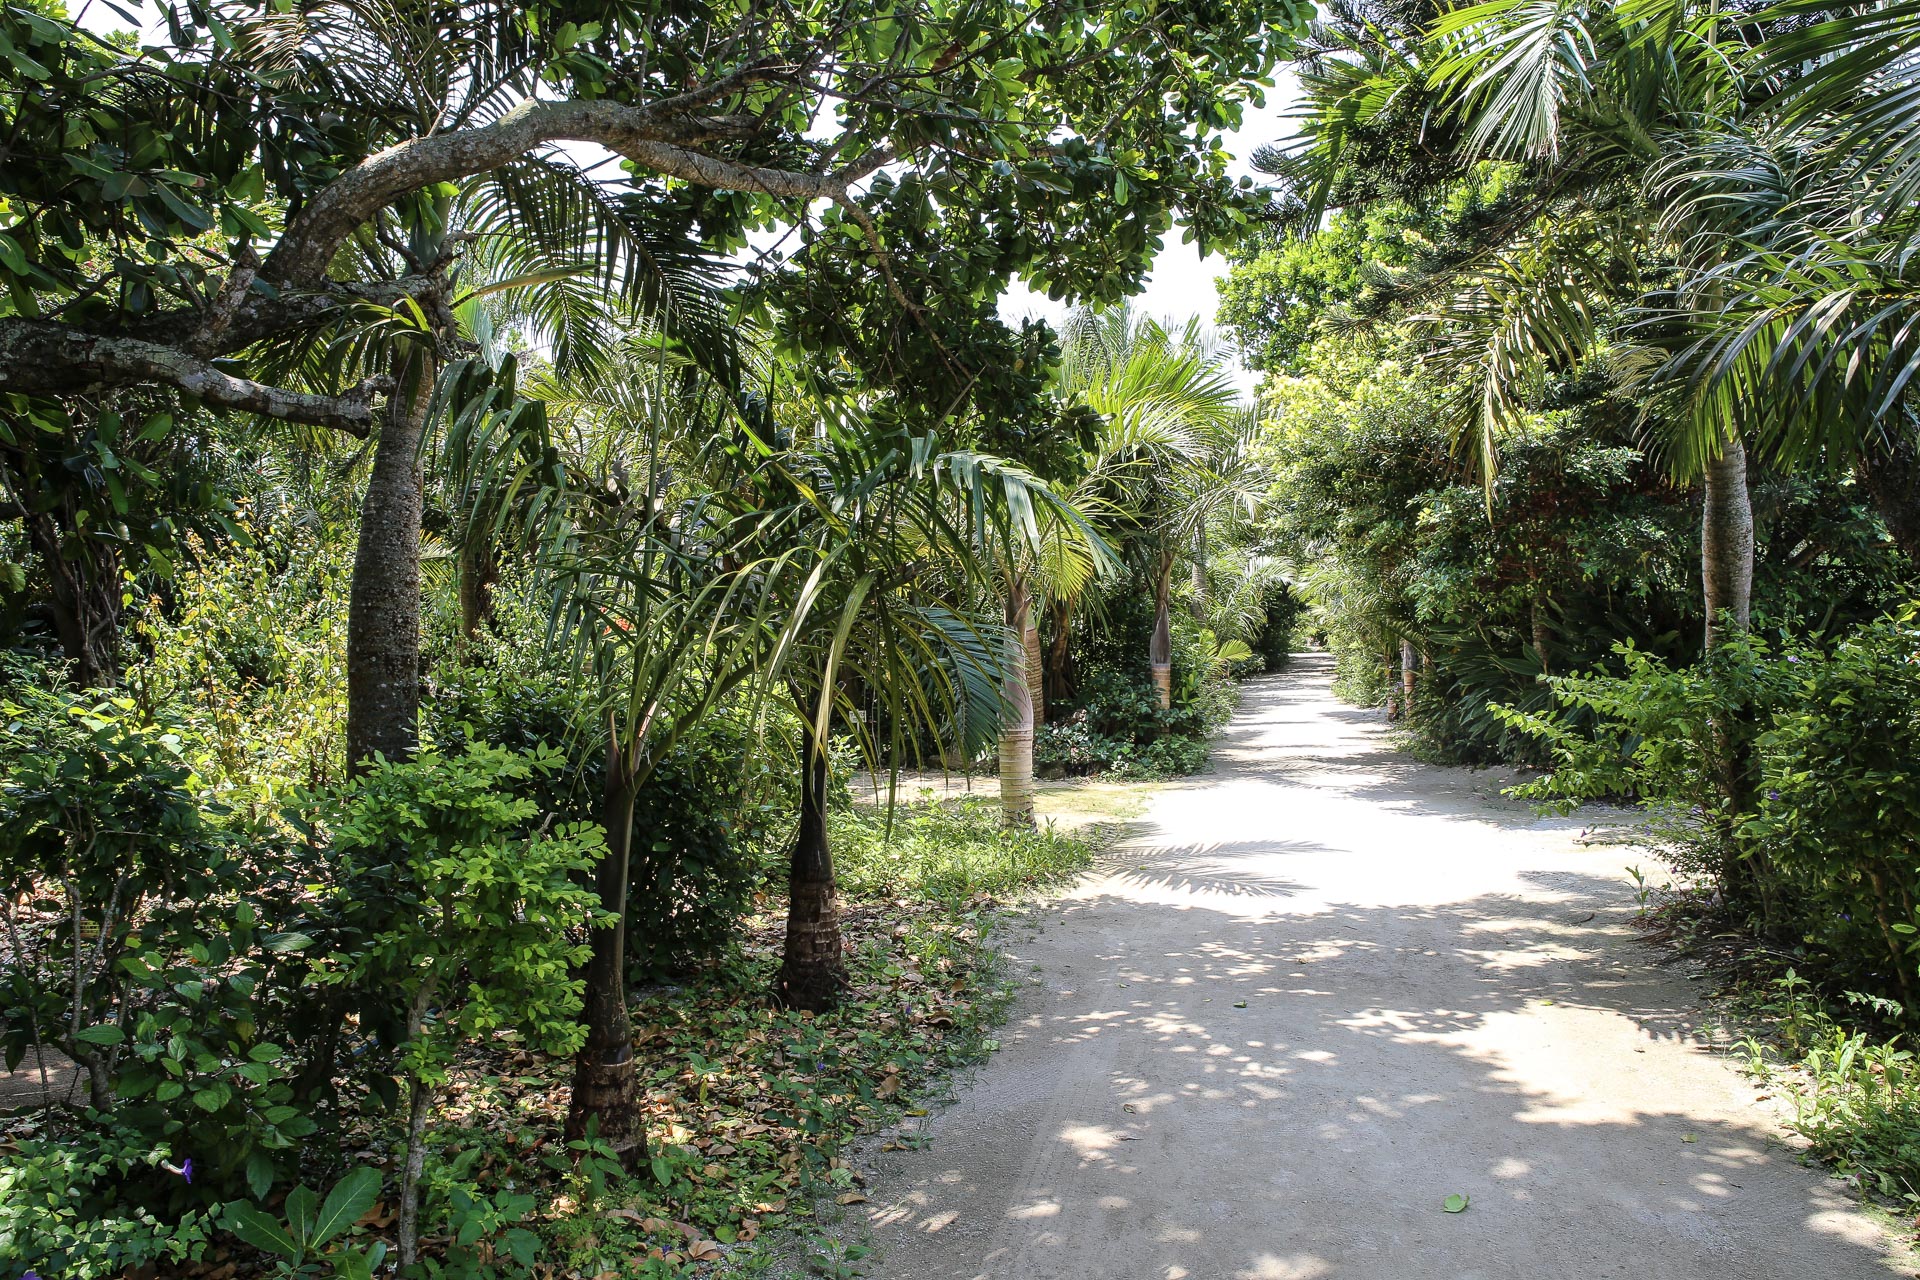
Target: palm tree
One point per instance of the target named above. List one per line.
(1583, 101)
(892, 531)
(1175, 439)
(560, 257)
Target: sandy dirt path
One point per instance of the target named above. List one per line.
(1326, 988)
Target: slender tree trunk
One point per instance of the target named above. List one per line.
(1726, 572)
(1160, 648)
(812, 973)
(1035, 668)
(383, 611)
(1016, 731)
(1406, 674)
(1891, 476)
(1198, 579)
(1537, 620)
(1726, 545)
(604, 1088)
(479, 571)
(1059, 655)
(408, 1228)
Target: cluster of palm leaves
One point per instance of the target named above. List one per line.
(1713, 202)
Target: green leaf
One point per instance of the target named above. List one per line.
(662, 1171)
(261, 1231)
(105, 1033)
(303, 1204)
(349, 1200)
(259, 1174)
(1456, 1204)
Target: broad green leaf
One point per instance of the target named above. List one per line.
(349, 1200)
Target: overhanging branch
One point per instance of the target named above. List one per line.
(40, 357)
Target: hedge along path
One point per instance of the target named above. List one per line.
(1328, 990)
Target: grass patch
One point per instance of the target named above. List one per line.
(947, 851)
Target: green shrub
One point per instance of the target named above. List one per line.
(137, 946)
(1785, 778)
(701, 824)
(65, 1213)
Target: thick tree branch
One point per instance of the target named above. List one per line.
(40, 357)
(664, 141)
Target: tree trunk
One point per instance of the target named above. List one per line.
(1406, 674)
(1035, 669)
(1016, 731)
(1891, 476)
(383, 611)
(604, 1089)
(1726, 545)
(1537, 620)
(479, 571)
(1059, 657)
(812, 973)
(1726, 572)
(1160, 648)
(84, 596)
(1198, 579)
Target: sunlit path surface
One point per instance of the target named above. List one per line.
(1324, 989)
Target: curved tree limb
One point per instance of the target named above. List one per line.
(42, 357)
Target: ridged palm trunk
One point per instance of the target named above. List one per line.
(605, 1091)
(1726, 573)
(1726, 545)
(1160, 648)
(1016, 731)
(383, 608)
(1058, 680)
(1197, 579)
(812, 973)
(1035, 668)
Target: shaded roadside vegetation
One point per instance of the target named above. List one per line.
(1588, 347)
(475, 481)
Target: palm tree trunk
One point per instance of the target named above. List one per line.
(1537, 621)
(83, 596)
(479, 571)
(1036, 671)
(1160, 648)
(1016, 731)
(812, 973)
(383, 610)
(604, 1088)
(1726, 545)
(1197, 580)
(1059, 655)
(1726, 572)
(1406, 674)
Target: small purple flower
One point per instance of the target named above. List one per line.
(29, 1275)
(1793, 657)
(1773, 795)
(186, 1170)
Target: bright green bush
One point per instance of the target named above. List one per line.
(1788, 779)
